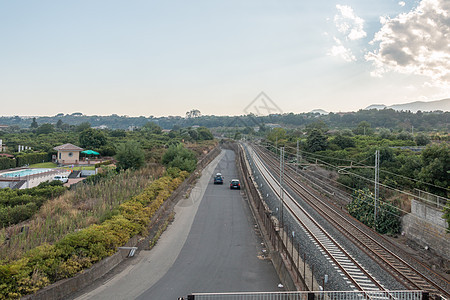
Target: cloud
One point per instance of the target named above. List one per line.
(348, 23)
(341, 51)
(417, 42)
(402, 3)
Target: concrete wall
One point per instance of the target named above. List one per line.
(64, 158)
(63, 288)
(35, 180)
(425, 226)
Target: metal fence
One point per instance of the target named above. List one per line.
(325, 295)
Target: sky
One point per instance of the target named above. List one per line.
(161, 58)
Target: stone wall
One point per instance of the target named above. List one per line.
(425, 226)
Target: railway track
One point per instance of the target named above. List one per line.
(370, 242)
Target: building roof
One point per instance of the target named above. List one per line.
(68, 147)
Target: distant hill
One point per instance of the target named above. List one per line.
(443, 105)
(319, 111)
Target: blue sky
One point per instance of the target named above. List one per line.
(168, 57)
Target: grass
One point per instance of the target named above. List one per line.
(76, 209)
(44, 165)
(79, 168)
(53, 165)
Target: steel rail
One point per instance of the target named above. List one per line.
(322, 231)
(391, 262)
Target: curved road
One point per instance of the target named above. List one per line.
(210, 247)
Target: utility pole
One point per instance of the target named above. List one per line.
(281, 182)
(296, 169)
(377, 178)
(276, 143)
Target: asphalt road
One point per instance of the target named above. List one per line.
(211, 246)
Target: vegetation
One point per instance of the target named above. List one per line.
(180, 157)
(48, 263)
(130, 156)
(386, 118)
(362, 207)
(19, 205)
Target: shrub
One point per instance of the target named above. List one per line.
(31, 158)
(180, 157)
(7, 163)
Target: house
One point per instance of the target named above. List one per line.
(68, 154)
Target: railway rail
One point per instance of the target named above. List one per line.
(370, 242)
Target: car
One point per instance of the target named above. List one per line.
(62, 178)
(218, 179)
(235, 185)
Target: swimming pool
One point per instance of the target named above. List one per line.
(25, 172)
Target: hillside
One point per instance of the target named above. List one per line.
(443, 105)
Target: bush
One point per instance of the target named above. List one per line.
(180, 157)
(7, 163)
(79, 250)
(130, 156)
(362, 208)
(31, 158)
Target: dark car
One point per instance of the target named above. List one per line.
(235, 185)
(218, 179)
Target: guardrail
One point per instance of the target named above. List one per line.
(284, 248)
(328, 295)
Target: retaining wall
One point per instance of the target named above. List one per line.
(63, 288)
(425, 226)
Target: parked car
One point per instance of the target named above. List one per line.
(218, 179)
(235, 185)
(62, 178)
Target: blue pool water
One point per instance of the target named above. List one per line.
(25, 172)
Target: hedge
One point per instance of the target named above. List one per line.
(79, 250)
(7, 163)
(31, 158)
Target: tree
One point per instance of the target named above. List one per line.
(204, 134)
(34, 124)
(45, 129)
(92, 138)
(195, 113)
(362, 208)
(363, 128)
(436, 168)
(59, 124)
(422, 140)
(180, 157)
(129, 156)
(277, 135)
(152, 127)
(82, 126)
(316, 140)
(344, 141)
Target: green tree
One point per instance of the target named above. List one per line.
(92, 138)
(277, 135)
(362, 208)
(152, 127)
(204, 134)
(344, 141)
(59, 124)
(34, 124)
(179, 157)
(129, 156)
(436, 168)
(316, 140)
(82, 126)
(363, 128)
(45, 129)
(422, 139)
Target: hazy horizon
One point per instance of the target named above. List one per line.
(166, 58)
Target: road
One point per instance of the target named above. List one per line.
(211, 246)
